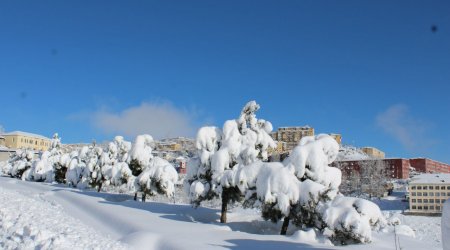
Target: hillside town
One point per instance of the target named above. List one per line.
(365, 170)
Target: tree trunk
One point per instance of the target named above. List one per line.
(143, 197)
(135, 196)
(223, 216)
(285, 226)
(99, 187)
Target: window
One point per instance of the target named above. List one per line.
(413, 188)
(425, 207)
(425, 200)
(413, 200)
(413, 194)
(419, 194)
(443, 201)
(425, 187)
(448, 187)
(448, 193)
(442, 187)
(431, 207)
(414, 207)
(419, 200)
(419, 187)
(430, 187)
(437, 201)
(419, 207)
(438, 208)
(438, 194)
(425, 194)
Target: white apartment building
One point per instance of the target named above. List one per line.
(428, 192)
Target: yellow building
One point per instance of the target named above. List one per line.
(168, 146)
(337, 137)
(2, 141)
(374, 152)
(292, 135)
(428, 192)
(24, 140)
(281, 148)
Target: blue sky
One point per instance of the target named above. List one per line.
(370, 70)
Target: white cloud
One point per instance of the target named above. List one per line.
(402, 126)
(161, 120)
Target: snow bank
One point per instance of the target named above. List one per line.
(311, 236)
(352, 218)
(33, 223)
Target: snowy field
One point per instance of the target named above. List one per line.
(48, 216)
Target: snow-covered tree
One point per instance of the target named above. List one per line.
(48, 166)
(153, 175)
(158, 177)
(141, 153)
(115, 169)
(241, 142)
(311, 198)
(94, 165)
(304, 189)
(19, 162)
(376, 177)
(123, 149)
(366, 177)
(78, 174)
(41, 169)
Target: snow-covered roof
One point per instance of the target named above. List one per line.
(296, 127)
(25, 134)
(6, 149)
(431, 179)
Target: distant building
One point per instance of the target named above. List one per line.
(337, 137)
(281, 148)
(24, 140)
(181, 165)
(292, 135)
(400, 167)
(168, 146)
(176, 144)
(428, 192)
(5, 153)
(2, 141)
(374, 152)
(425, 165)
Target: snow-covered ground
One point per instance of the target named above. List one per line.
(42, 216)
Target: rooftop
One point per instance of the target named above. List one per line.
(431, 178)
(25, 134)
(295, 128)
